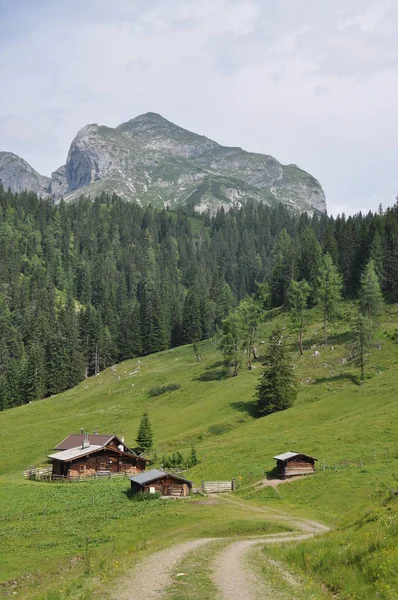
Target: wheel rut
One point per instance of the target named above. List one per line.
(230, 571)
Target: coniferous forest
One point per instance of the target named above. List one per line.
(86, 284)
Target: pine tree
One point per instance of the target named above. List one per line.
(298, 294)
(277, 388)
(328, 293)
(363, 333)
(310, 260)
(370, 296)
(283, 270)
(193, 459)
(230, 342)
(145, 436)
(249, 314)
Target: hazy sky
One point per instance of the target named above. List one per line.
(311, 82)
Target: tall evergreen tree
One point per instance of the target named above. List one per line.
(370, 296)
(363, 333)
(144, 436)
(328, 292)
(277, 389)
(249, 315)
(298, 295)
(230, 343)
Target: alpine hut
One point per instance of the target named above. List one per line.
(294, 463)
(159, 481)
(82, 456)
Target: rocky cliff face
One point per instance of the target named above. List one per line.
(17, 174)
(149, 159)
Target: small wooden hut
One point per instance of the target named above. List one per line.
(290, 464)
(159, 481)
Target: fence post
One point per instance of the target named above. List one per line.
(203, 486)
(233, 486)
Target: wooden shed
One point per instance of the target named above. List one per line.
(294, 463)
(107, 458)
(159, 481)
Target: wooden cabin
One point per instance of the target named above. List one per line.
(88, 459)
(159, 481)
(290, 464)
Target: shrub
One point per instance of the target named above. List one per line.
(146, 497)
(158, 390)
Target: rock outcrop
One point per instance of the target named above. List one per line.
(18, 175)
(150, 160)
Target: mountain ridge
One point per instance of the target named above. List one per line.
(149, 159)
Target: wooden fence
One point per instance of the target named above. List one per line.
(39, 473)
(46, 474)
(217, 487)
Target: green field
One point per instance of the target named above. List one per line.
(65, 540)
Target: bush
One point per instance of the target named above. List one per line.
(178, 461)
(158, 390)
(146, 497)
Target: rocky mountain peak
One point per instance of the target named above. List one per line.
(150, 159)
(18, 175)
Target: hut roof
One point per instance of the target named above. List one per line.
(75, 440)
(288, 455)
(72, 453)
(154, 474)
(67, 455)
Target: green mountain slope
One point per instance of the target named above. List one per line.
(352, 429)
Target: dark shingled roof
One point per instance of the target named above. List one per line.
(287, 455)
(153, 475)
(75, 440)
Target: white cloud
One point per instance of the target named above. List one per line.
(310, 82)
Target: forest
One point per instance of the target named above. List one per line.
(86, 284)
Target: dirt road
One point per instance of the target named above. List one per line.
(230, 573)
(153, 573)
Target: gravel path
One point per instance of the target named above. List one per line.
(232, 576)
(153, 573)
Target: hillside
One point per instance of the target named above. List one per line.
(150, 160)
(352, 430)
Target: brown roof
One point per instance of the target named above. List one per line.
(75, 453)
(75, 440)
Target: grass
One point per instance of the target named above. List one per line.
(352, 429)
(188, 577)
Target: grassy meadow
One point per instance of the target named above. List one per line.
(72, 540)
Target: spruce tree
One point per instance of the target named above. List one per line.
(249, 315)
(277, 389)
(298, 294)
(370, 296)
(230, 343)
(144, 436)
(328, 292)
(363, 333)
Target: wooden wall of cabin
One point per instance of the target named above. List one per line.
(104, 461)
(299, 467)
(167, 486)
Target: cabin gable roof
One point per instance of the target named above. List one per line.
(288, 455)
(153, 475)
(75, 453)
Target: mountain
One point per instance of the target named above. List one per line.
(151, 160)
(17, 174)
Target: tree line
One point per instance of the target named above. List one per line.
(87, 284)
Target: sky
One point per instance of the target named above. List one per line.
(311, 82)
